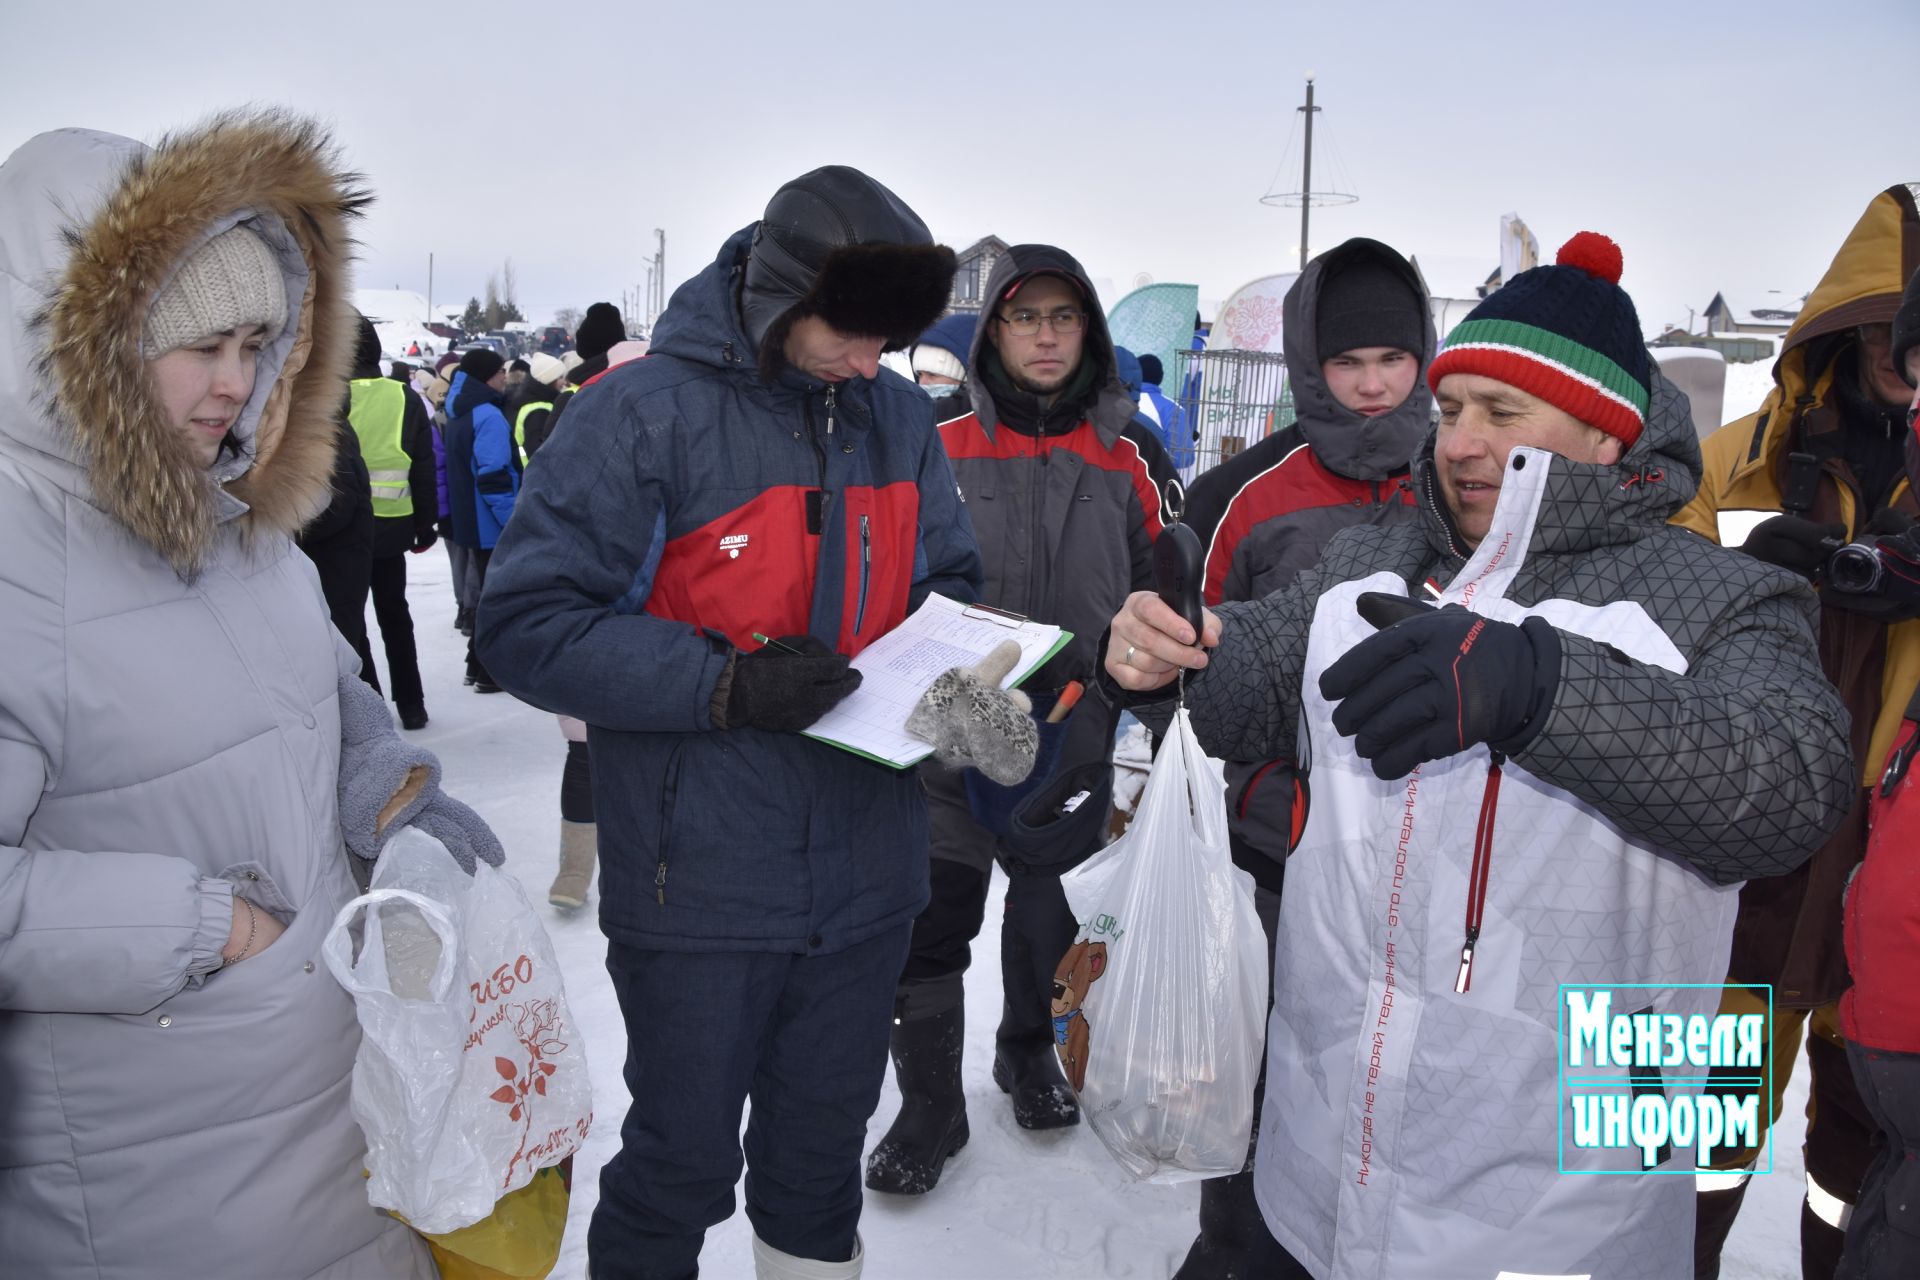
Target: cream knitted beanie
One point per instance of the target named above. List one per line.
(233, 279)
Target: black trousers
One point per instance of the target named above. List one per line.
(396, 629)
(576, 785)
(804, 1038)
(478, 559)
(1839, 1137)
(1037, 930)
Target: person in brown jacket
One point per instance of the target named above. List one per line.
(1826, 462)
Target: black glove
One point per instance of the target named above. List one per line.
(424, 537)
(785, 689)
(1795, 543)
(1434, 682)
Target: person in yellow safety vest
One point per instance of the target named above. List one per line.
(396, 439)
(1826, 461)
(530, 407)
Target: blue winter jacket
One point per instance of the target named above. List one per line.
(687, 506)
(1172, 426)
(483, 468)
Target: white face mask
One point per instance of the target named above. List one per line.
(941, 390)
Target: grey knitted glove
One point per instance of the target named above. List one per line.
(969, 719)
(382, 773)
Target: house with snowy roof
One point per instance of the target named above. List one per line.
(1775, 316)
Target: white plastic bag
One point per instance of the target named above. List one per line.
(471, 1074)
(1160, 1008)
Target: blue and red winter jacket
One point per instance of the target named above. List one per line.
(687, 506)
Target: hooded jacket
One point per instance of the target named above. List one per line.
(1067, 503)
(1692, 742)
(1265, 515)
(689, 504)
(170, 735)
(483, 466)
(1789, 931)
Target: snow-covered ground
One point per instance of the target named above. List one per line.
(1013, 1205)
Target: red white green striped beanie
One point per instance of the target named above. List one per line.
(1566, 333)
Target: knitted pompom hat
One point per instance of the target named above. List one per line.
(1566, 333)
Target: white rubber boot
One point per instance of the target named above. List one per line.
(771, 1264)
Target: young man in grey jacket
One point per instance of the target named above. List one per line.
(1657, 709)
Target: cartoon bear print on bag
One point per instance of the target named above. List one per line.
(1079, 969)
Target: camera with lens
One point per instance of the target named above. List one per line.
(1856, 569)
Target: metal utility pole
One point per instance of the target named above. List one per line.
(1306, 171)
(1306, 197)
(657, 293)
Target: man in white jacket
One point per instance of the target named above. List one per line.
(1656, 709)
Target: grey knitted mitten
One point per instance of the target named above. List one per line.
(970, 720)
(383, 776)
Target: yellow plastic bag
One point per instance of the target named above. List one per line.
(519, 1240)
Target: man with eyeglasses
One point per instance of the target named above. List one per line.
(1829, 452)
(1064, 485)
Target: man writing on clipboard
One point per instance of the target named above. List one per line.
(757, 472)
(1063, 485)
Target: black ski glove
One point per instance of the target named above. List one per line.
(786, 691)
(1434, 682)
(1796, 543)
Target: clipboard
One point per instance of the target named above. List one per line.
(899, 667)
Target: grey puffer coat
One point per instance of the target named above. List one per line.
(170, 736)
(1692, 742)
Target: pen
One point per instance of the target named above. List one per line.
(774, 644)
(1068, 696)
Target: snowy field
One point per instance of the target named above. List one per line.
(1013, 1205)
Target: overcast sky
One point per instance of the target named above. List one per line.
(1726, 147)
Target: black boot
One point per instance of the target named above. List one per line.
(932, 1124)
(1036, 933)
(1029, 1069)
(1234, 1242)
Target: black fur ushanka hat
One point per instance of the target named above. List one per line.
(836, 244)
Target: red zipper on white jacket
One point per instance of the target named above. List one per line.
(1477, 882)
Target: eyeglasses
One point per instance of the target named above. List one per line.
(1025, 323)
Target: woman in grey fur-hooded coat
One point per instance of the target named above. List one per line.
(170, 735)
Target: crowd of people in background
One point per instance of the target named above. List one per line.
(1499, 552)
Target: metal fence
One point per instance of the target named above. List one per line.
(1233, 399)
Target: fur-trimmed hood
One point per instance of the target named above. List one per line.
(92, 226)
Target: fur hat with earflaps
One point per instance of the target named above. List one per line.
(159, 255)
(836, 244)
